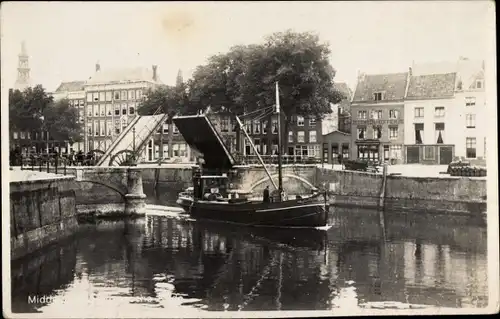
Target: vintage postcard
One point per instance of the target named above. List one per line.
(249, 159)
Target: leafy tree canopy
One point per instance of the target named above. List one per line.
(34, 110)
(243, 79)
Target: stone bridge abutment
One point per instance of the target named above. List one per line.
(125, 181)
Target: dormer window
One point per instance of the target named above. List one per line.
(378, 96)
(479, 84)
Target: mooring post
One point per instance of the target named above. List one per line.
(135, 198)
(381, 202)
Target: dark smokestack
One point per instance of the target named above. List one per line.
(155, 74)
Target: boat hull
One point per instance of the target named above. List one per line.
(292, 213)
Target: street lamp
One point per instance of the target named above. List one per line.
(133, 145)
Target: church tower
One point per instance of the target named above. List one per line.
(23, 70)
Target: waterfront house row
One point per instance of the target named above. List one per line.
(428, 115)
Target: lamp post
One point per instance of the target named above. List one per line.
(133, 145)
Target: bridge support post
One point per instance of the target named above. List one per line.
(135, 198)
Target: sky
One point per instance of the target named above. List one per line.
(65, 40)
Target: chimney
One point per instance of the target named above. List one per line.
(155, 74)
(97, 67)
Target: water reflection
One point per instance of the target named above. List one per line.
(153, 264)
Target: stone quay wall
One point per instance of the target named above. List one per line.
(459, 195)
(42, 211)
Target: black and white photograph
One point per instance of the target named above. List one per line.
(249, 159)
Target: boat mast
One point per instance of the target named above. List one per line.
(280, 174)
(255, 150)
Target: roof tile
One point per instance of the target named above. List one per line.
(431, 86)
(393, 84)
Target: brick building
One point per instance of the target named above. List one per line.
(377, 111)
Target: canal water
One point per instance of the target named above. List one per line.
(158, 265)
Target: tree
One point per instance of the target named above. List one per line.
(170, 100)
(27, 107)
(61, 121)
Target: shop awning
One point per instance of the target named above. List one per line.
(200, 134)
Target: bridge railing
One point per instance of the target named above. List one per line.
(273, 159)
(51, 162)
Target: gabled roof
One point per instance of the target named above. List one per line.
(336, 132)
(431, 86)
(122, 75)
(392, 84)
(343, 88)
(72, 86)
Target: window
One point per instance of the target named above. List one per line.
(248, 126)
(300, 120)
(131, 95)
(312, 137)
(479, 84)
(224, 124)
(123, 95)
(470, 145)
(275, 126)
(264, 127)
(96, 128)
(89, 97)
(376, 115)
(470, 120)
(131, 109)
(439, 111)
(14, 135)
(378, 96)
(470, 101)
(175, 148)
(313, 151)
(439, 133)
(89, 128)
(23, 135)
(95, 96)
(117, 126)
(109, 128)
(312, 122)
(361, 114)
(102, 96)
(117, 95)
(102, 108)
(96, 109)
(82, 103)
(81, 116)
(117, 109)
(393, 132)
(124, 123)
(102, 128)
(89, 110)
(109, 96)
(377, 132)
(290, 137)
(124, 108)
(256, 127)
(300, 136)
(395, 151)
(419, 112)
(108, 110)
(176, 130)
(361, 133)
(428, 152)
(138, 94)
(182, 150)
(165, 128)
(419, 133)
(393, 114)
(256, 142)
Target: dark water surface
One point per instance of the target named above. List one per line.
(155, 265)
